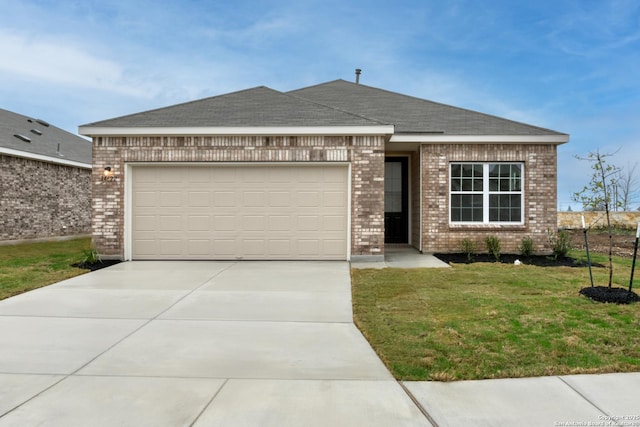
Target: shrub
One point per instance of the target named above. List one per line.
(493, 246)
(526, 247)
(91, 256)
(560, 243)
(470, 248)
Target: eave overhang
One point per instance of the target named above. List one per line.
(556, 139)
(232, 131)
(41, 158)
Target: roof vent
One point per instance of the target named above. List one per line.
(42, 122)
(22, 137)
(358, 71)
(36, 131)
(58, 151)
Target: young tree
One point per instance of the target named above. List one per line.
(599, 192)
(627, 185)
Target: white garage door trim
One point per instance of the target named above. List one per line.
(129, 173)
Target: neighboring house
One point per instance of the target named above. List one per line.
(45, 180)
(333, 171)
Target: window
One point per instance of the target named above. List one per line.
(486, 193)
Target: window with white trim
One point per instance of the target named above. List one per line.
(486, 193)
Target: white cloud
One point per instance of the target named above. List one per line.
(59, 61)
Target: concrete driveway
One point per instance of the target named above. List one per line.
(195, 343)
(246, 344)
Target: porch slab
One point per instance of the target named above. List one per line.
(403, 257)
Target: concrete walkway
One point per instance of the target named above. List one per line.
(245, 344)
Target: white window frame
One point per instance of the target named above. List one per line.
(486, 193)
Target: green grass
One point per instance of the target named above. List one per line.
(33, 265)
(488, 320)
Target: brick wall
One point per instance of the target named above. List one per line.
(366, 155)
(39, 199)
(540, 194)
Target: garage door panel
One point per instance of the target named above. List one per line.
(309, 199)
(225, 248)
(172, 175)
(171, 247)
(171, 199)
(145, 223)
(308, 223)
(254, 199)
(224, 199)
(199, 175)
(333, 247)
(147, 198)
(253, 223)
(199, 247)
(199, 223)
(253, 247)
(239, 212)
(280, 199)
(333, 199)
(171, 223)
(279, 223)
(199, 198)
(279, 247)
(334, 223)
(254, 175)
(224, 223)
(309, 247)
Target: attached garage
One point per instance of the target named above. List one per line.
(229, 211)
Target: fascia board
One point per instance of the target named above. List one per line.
(482, 139)
(230, 131)
(47, 159)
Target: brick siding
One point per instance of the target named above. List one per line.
(540, 194)
(365, 153)
(39, 199)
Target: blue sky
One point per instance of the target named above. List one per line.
(568, 65)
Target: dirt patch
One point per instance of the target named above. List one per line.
(623, 242)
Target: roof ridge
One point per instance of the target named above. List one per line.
(336, 109)
(428, 101)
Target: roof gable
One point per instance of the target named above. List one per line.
(412, 115)
(39, 139)
(257, 107)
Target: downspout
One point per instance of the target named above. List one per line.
(421, 198)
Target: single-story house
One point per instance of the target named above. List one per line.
(45, 180)
(339, 170)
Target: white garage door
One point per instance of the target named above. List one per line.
(239, 212)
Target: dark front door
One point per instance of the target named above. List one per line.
(396, 200)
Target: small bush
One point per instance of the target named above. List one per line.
(526, 247)
(470, 248)
(91, 256)
(493, 246)
(560, 243)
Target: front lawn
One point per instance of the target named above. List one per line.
(489, 320)
(33, 265)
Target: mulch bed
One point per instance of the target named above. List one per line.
(607, 294)
(93, 266)
(537, 260)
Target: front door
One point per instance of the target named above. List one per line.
(396, 200)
